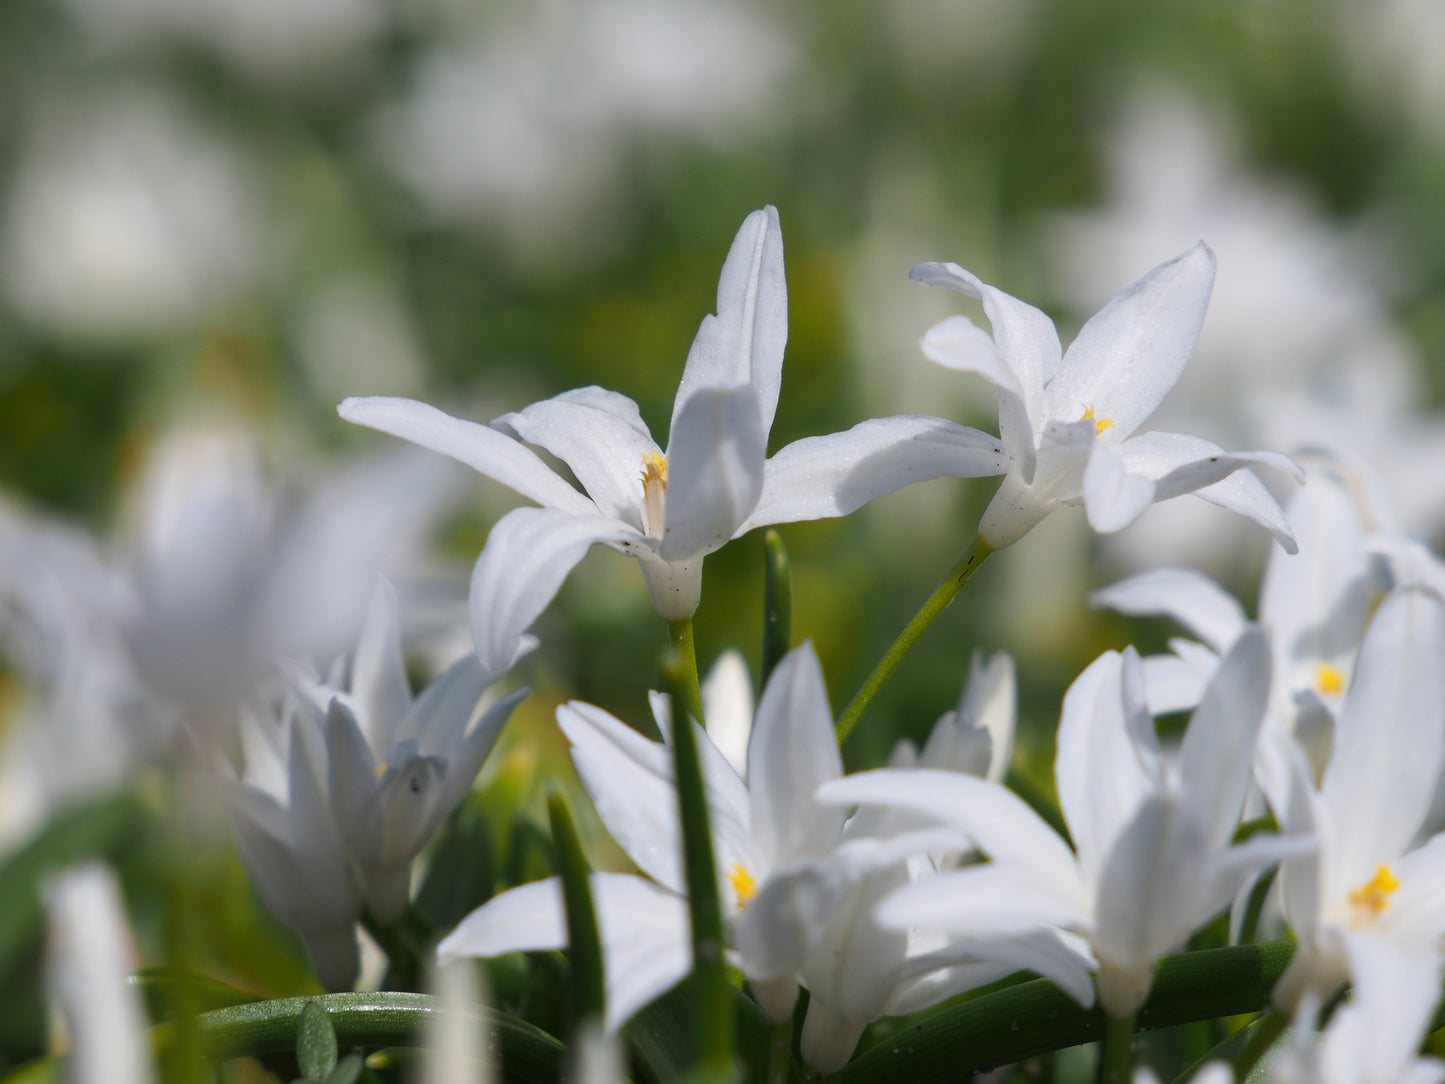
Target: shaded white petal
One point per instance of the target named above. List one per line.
(483, 449)
(456, 1037)
(352, 779)
(1113, 496)
(828, 1038)
(1063, 958)
(1131, 352)
(438, 720)
(1188, 596)
(726, 791)
(605, 451)
(833, 475)
(727, 705)
(743, 343)
(793, 751)
(1390, 738)
(978, 737)
(1064, 450)
(1173, 683)
(1180, 463)
(979, 903)
(378, 672)
(1395, 994)
(959, 344)
(521, 568)
(466, 760)
(714, 470)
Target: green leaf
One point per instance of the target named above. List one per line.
(315, 1042)
(346, 1070)
(584, 944)
(662, 1042)
(160, 986)
(777, 603)
(460, 875)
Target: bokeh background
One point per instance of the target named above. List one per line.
(219, 217)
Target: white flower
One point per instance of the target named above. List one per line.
(669, 508)
(1153, 837)
(1068, 422)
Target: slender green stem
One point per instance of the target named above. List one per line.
(780, 1052)
(777, 603)
(687, 685)
(712, 995)
(407, 943)
(1267, 1029)
(935, 604)
(1117, 1051)
(584, 944)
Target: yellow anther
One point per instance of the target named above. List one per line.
(744, 887)
(1373, 896)
(654, 469)
(1100, 424)
(1329, 680)
(654, 493)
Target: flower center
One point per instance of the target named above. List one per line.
(1373, 896)
(1100, 424)
(744, 887)
(1329, 680)
(654, 494)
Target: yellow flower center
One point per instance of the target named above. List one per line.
(1373, 896)
(1329, 680)
(1100, 424)
(744, 887)
(654, 493)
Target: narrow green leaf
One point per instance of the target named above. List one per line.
(460, 876)
(160, 988)
(347, 1070)
(777, 602)
(315, 1042)
(584, 944)
(713, 1000)
(663, 1043)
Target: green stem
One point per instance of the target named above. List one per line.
(680, 633)
(407, 943)
(935, 604)
(1116, 1053)
(584, 944)
(777, 603)
(1267, 1029)
(780, 1052)
(712, 994)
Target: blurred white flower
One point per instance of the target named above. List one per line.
(458, 1049)
(126, 218)
(88, 965)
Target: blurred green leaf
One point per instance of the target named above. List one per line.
(315, 1042)
(459, 876)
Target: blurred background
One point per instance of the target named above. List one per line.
(220, 217)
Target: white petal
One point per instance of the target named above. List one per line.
(1113, 497)
(352, 782)
(605, 451)
(1189, 597)
(978, 737)
(833, 475)
(1173, 683)
(793, 751)
(1390, 738)
(1180, 463)
(1017, 507)
(521, 568)
(1062, 957)
(743, 343)
(714, 470)
(467, 759)
(438, 719)
(378, 673)
(959, 344)
(1128, 356)
(727, 704)
(978, 903)
(726, 791)
(483, 449)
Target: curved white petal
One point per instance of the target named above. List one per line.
(959, 344)
(727, 705)
(1180, 463)
(1113, 496)
(978, 737)
(352, 782)
(744, 342)
(1173, 683)
(1063, 958)
(438, 719)
(978, 903)
(483, 449)
(793, 751)
(1244, 494)
(521, 568)
(1184, 594)
(714, 470)
(1390, 738)
(378, 672)
(833, 475)
(1131, 352)
(726, 791)
(606, 452)
(1017, 507)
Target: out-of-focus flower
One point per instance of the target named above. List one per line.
(526, 125)
(126, 219)
(457, 1047)
(89, 964)
(1369, 883)
(1067, 422)
(1153, 838)
(713, 483)
(977, 737)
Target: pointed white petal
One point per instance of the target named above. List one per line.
(483, 449)
(604, 451)
(978, 738)
(714, 470)
(793, 751)
(828, 1039)
(959, 344)
(467, 758)
(438, 720)
(726, 791)
(1017, 507)
(727, 704)
(977, 903)
(1128, 356)
(1063, 958)
(743, 343)
(1390, 738)
(1173, 683)
(833, 475)
(1113, 497)
(352, 780)
(1189, 597)
(378, 673)
(521, 568)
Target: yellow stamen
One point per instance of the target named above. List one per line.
(1329, 680)
(744, 887)
(1100, 424)
(654, 469)
(654, 493)
(1373, 896)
